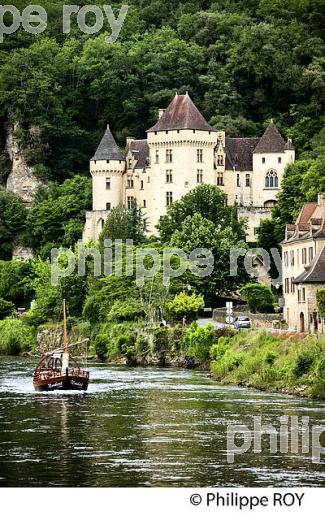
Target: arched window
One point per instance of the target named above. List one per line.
(271, 179)
(269, 204)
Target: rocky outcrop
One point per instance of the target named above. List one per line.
(21, 180)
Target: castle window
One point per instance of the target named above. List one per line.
(141, 185)
(169, 156)
(248, 180)
(263, 160)
(130, 202)
(279, 160)
(271, 179)
(186, 184)
(238, 180)
(169, 198)
(157, 156)
(199, 154)
(130, 183)
(269, 204)
(199, 177)
(220, 160)
(220, 179)
(144, 204)
(130, 163)
(108, 183)
(108, 206)
(169, 176)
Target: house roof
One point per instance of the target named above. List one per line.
(306, 212)
(239, 152)
(140, 150)
(271, 141)
(315, 271)
(108, 149)
(182, 114)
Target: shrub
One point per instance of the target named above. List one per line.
(160, 340)
(259, 297)
(218, 351)
(15, 337)
(199, 341)
(125, 310)
(101, 344)
(303, 363)
(185, 305)
(6, 308)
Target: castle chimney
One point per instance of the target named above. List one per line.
(321, 199)
(161, 112)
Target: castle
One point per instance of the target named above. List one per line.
(182, 151)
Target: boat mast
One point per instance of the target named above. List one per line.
(65, 338)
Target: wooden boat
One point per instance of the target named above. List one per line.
(53, 372)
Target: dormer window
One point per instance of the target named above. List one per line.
(130, 163)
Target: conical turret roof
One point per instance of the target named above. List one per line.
(108, 149)
(182, 114)
(271, 141)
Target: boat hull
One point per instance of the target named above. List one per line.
(62, 383)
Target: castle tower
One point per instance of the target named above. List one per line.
(181, 148)
(107, 167)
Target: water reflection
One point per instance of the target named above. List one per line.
(141, 427)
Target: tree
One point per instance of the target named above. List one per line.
(185, 305)
(259, 297)
(6, 308)
(320, 298)
(12, 222)
(124, 224)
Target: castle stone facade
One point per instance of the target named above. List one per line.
(181, 152)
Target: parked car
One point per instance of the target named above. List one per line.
(242, 322)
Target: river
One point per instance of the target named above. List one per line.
(142, 427)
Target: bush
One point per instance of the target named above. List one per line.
(101, 344)
(15, 337)
(160, 340)
(6, 308)
(199, 341)
(303, 363)
(125, 310)
(185, 305)
(259, 297)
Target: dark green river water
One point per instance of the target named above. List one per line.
(142, 427)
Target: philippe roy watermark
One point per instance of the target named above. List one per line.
(123, 259)
(293, 436)
(90, 19)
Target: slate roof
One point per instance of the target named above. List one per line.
(182, 114)
(315, 271)
(140, 150)
(239, 152)
(271, 141)
(108, 149)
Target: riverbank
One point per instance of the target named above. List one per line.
(266, 362)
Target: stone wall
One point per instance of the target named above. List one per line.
(258, 320)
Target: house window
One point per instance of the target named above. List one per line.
(279, 160)
(292, 285)
(310, 254)
(157, 156)
(130, 202)
(271, 179)
(238, 180)
(144, 204)
(199, 154)
(304, 256)
(169, 176)
(169, 198)
(248, 180)
(286, 285)
(108, 206)
(108, 183)
(220, 179)
(130, 183)
(292, 258)
(199, 176)
(285, 258)
(263, 160)
(141, 185)
(220, 160)
(303, 295)
(169, 156)
(299, 296)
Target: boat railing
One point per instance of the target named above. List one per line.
(46, 373)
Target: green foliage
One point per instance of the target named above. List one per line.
(259, 297)
(185, 305)
(271, 363)
(125, 224)
(12, 222)
(6, 308)
(15, 281)
(101, 344)
(15, 337)
(320, 298)
(199, 340)
(125, 310)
